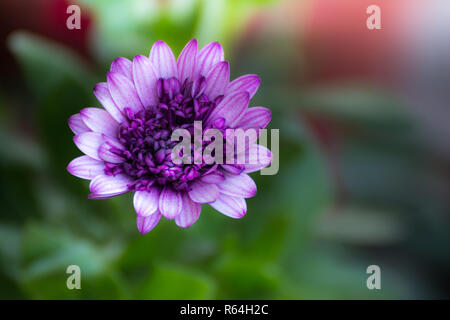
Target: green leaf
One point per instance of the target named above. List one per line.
(175, 282)
(355, 103)
(243, 277)
(47, 252)
(46, 64)
(16, 148)
(362, 226)
(10, 239)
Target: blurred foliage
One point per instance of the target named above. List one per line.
(292, 244)
(126, 27)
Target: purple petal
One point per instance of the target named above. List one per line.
(104, 186)
(238, 142)
(105, 153)
(103, 95)
(144, 75)
(77, 125)
(163, 60)
(86, 168)
(88, 143)
(146, 202)
(187, 60)
(241, 186)
(110, 151)
(233, 169)
(113, 142)
(170, 203)
(123, 92)
(201, 192)
(258, 157)
(208, 56)
(217, 80)
(99, 120)
(146, 224)
(248, 82)
(189, 214)
(123, 66)
(255, 118)
(230, 206)
(231, 108)
(213, 177)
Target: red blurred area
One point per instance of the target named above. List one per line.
(338, 45)
(43, 17)
(406, 57)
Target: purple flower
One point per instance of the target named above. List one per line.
(128, 144)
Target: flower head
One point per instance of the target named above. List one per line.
(128, 145)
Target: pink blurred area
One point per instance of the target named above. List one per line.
(409, 55)
(408, 58)
(337, 45)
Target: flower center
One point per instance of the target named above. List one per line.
(146, 136)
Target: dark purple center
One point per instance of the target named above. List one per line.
(146, 136)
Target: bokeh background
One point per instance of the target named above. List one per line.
(364, 173)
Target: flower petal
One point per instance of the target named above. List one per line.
(163, 60)
(248, 82)
(201, 192)
(189, 214)
(255, 118)
(233, 207)
(208, 56)
(241, 185)
(170, 203)
(187, 61)
(259, 157)
(110, 151)
(237, 141)
(123, 66)
(146, 224)
(144, 75)
(105, 153)
(99, 120)
(89, 142)
(77, 125)
(85, 167)
(213, 177)
(123, 92)
(104, 186)
(103, 95)
(231, 108)
(217, 80)
(232, 168)
(146, 202)
(113, 142)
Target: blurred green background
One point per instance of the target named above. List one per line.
(360, 180)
